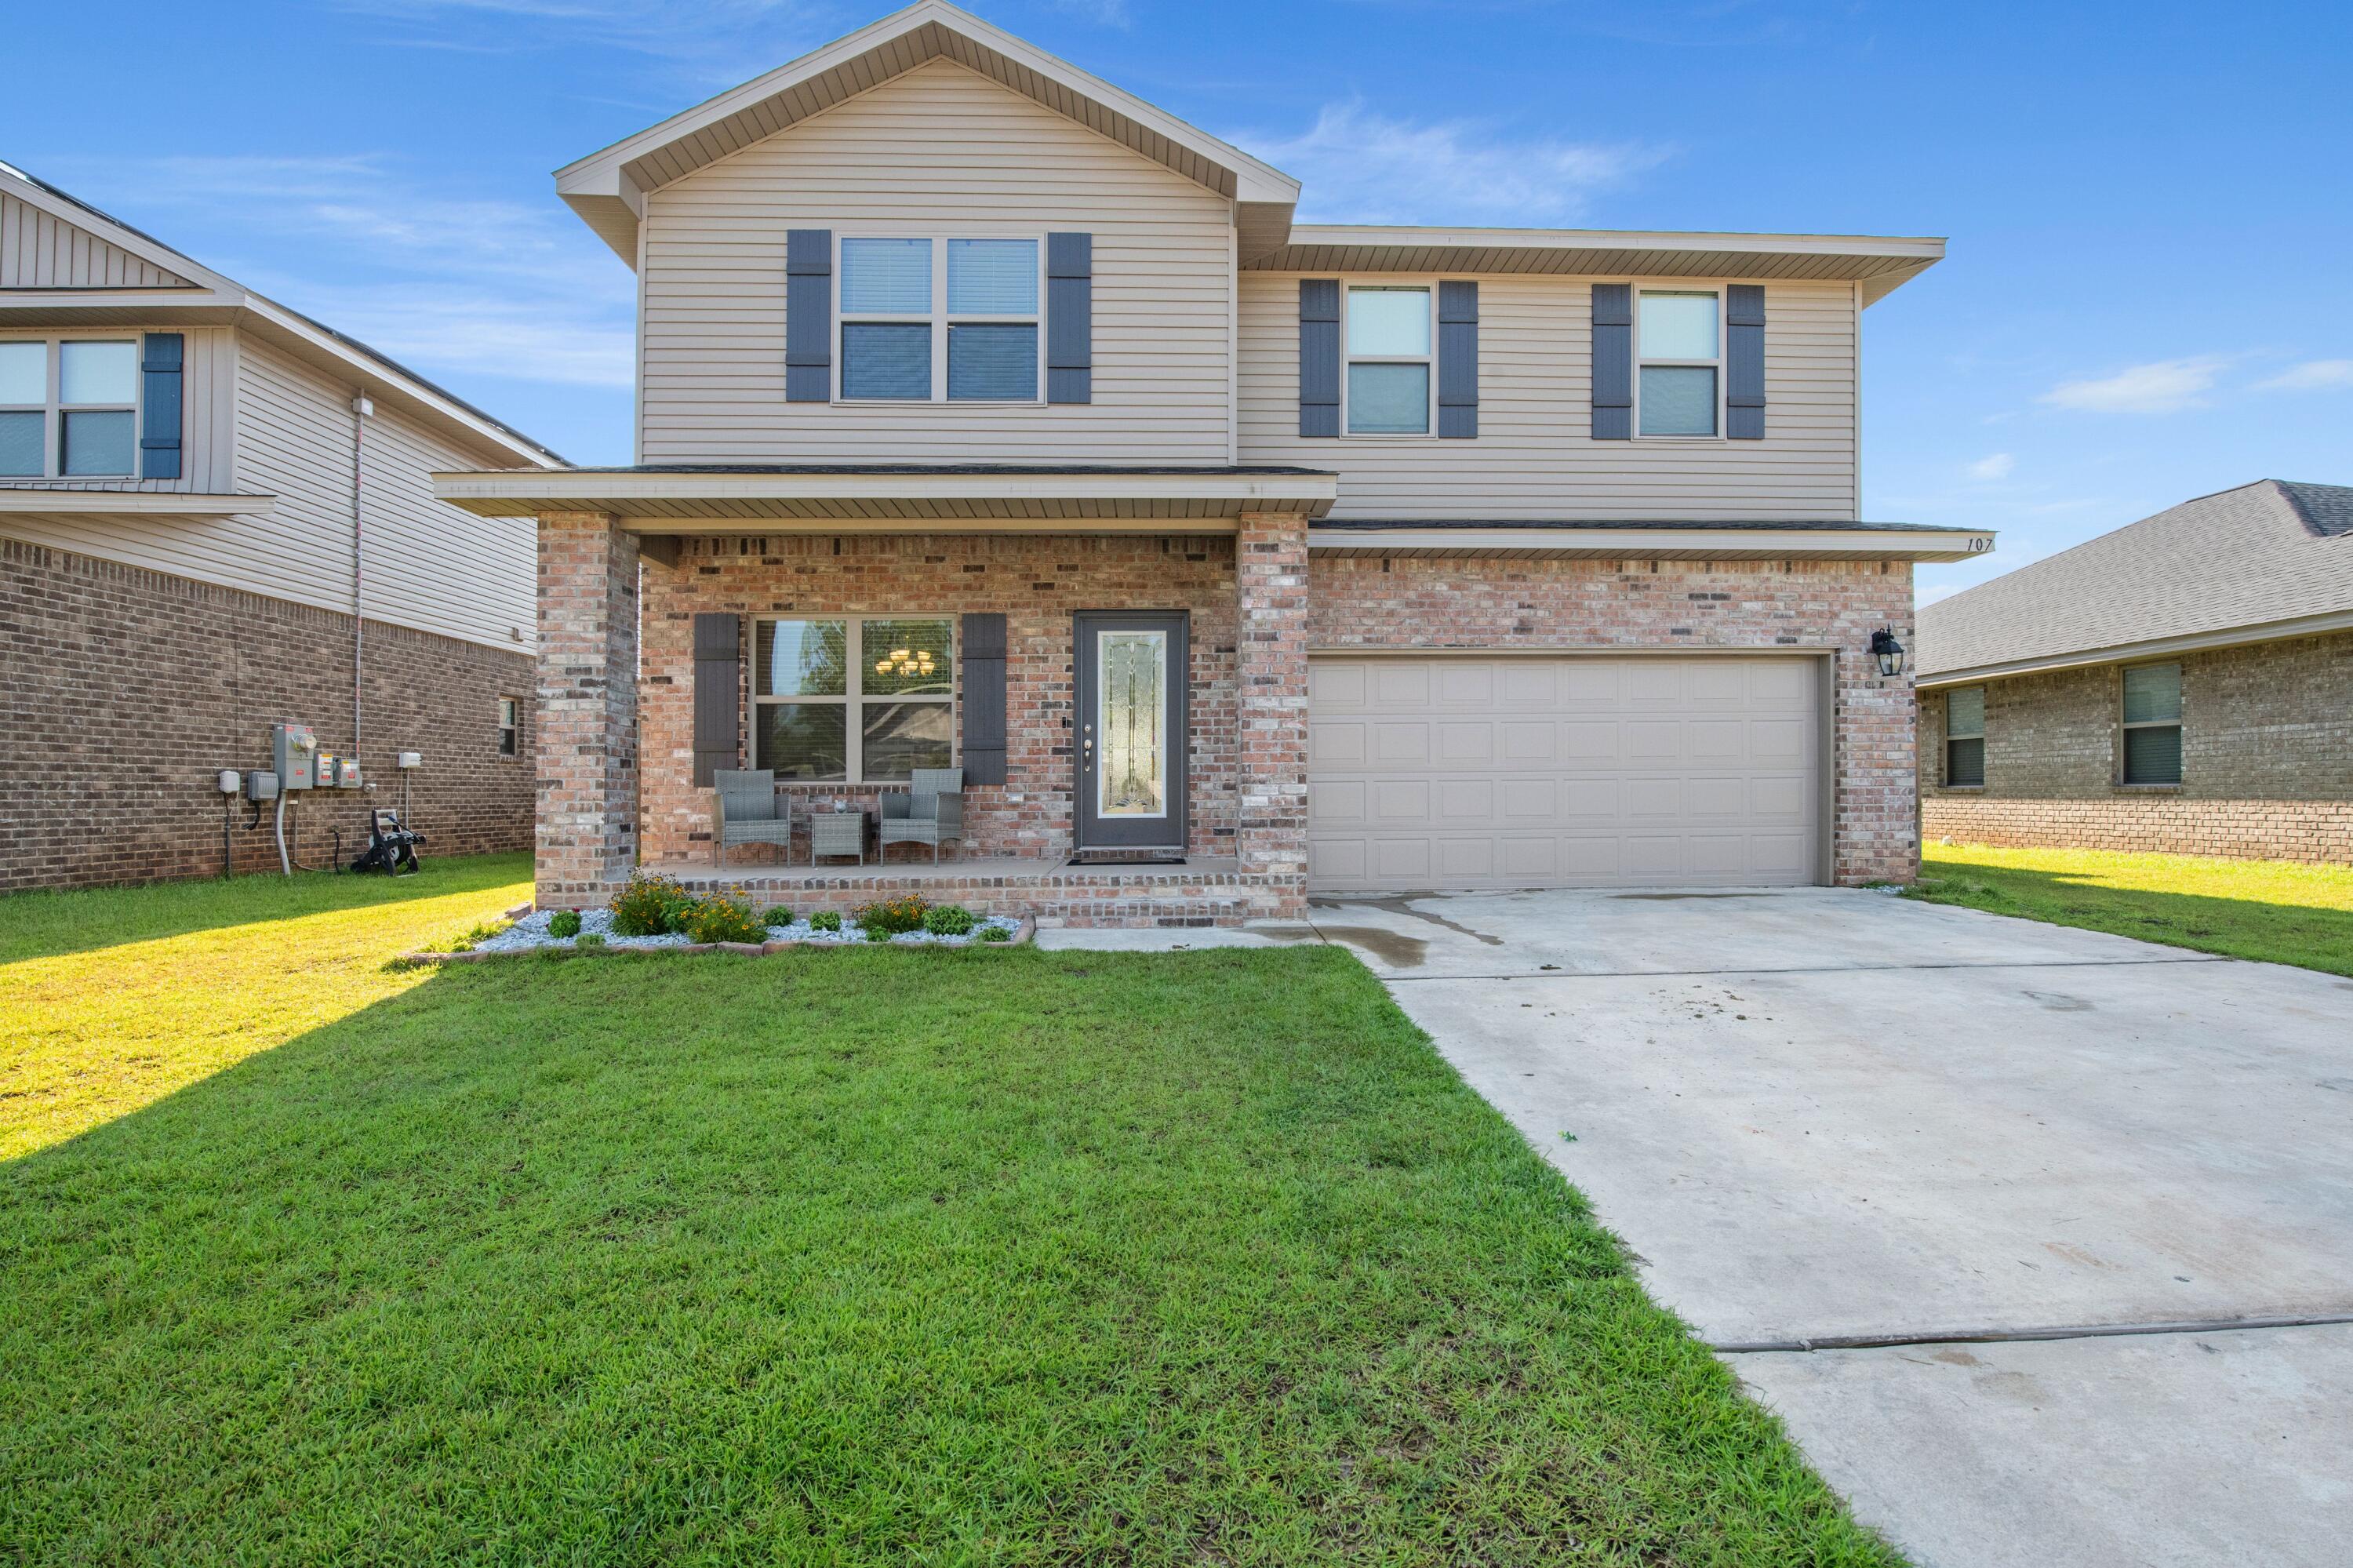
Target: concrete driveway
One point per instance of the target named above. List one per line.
(2039, 1240)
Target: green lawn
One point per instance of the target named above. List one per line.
(2277, 911)
(836, 1257)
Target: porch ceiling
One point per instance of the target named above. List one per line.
(976, 497)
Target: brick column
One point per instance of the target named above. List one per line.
(1876, 821)
(1271, 701)
(587, 708)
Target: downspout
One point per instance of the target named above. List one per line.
(360, 409)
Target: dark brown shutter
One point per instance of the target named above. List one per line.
(718, 692)
(1613, 362)
(1743, 362)
(981, 646)
(1319, 357)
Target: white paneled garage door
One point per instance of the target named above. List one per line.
(1454, 771)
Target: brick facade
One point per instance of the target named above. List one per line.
(1367, 601)
(2266, 760)
(587, 695)
(1271, 572)
(123, 691)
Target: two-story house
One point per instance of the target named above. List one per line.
(989, 416)
(217, 517)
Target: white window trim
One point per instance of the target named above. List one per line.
(507, 705)
(854, 731)
(53, 411)
(1681, 286)
(1428, 430)
(938, 320)
(1951, 735)
(2126, 726)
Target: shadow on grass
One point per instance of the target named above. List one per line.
(857, 1256)
(41, 924)
(2294, 934)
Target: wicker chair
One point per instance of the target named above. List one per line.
(749, 811)
(931, 809)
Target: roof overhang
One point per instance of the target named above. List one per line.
(1876, 265)
(2153, 648)
(988, 498)
(1652, 540)
(607, 188)
(61, 502)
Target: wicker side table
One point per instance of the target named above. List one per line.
(837, 834)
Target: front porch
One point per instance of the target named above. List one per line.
(669, 617)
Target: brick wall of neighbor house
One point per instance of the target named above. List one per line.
(1363, 601)
(123, 691)
(2266, 763)
(1037, 582)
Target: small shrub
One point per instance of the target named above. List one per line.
(724, 918)
(590, 942)
(892, 916)
(950, 920)
(873, 934)
(996, 934)
(826, 920)
(779, 916)
(650, 906)
(563, 923)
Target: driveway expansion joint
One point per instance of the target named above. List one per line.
(2032, 1336)
(1820, 968)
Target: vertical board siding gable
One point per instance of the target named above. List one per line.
(809, 315)
(718, 689)
(1069, 318)
(1319, 357)
(1613, 362)
(981, 643)
(1457, 360)
(1743, 362)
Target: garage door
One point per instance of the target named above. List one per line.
(1451, 771)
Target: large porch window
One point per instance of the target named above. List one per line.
(853, 699)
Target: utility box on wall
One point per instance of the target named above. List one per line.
(294, 752)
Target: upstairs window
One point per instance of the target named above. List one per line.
(1390, 333)
(1965, 736)
(68, 409)
(932, 320)
(2152, 724)
(1679, 347)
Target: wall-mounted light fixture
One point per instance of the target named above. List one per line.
(1888, 651)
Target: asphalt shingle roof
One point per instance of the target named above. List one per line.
(2265, 552)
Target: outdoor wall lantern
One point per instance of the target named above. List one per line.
(1887, 651)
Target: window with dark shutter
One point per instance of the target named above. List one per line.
(1457, 360)
(1319, 357)
(809, 315)
(983, 751)
(1069, 318)
(161, 371)
(1613, 362)
(1743, 362)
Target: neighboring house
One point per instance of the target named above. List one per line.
(2183, 684)
(200, 491)
(1325, 558)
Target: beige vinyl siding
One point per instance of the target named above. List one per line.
(41, 251)
(1534, 457)
(429, 565)
(207, 410)
(926, 153)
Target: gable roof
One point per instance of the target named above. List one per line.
(77, 265)
(2267, 560)
(606, 188)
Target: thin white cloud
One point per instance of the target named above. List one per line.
(1359, 165)
(2162, 387)
(710, 40)
(2311, 375)
(445, 281)
(1104, 12)
(1991, 467)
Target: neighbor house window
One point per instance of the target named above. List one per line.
(2152, 724)
(509, 726)
(853, 699)
(68, 409)
(1680, 353)
(1388, 360)
(932, 320)
(1964, 736)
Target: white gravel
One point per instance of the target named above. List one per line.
(531, 932)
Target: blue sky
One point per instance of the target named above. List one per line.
(2150, 206)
